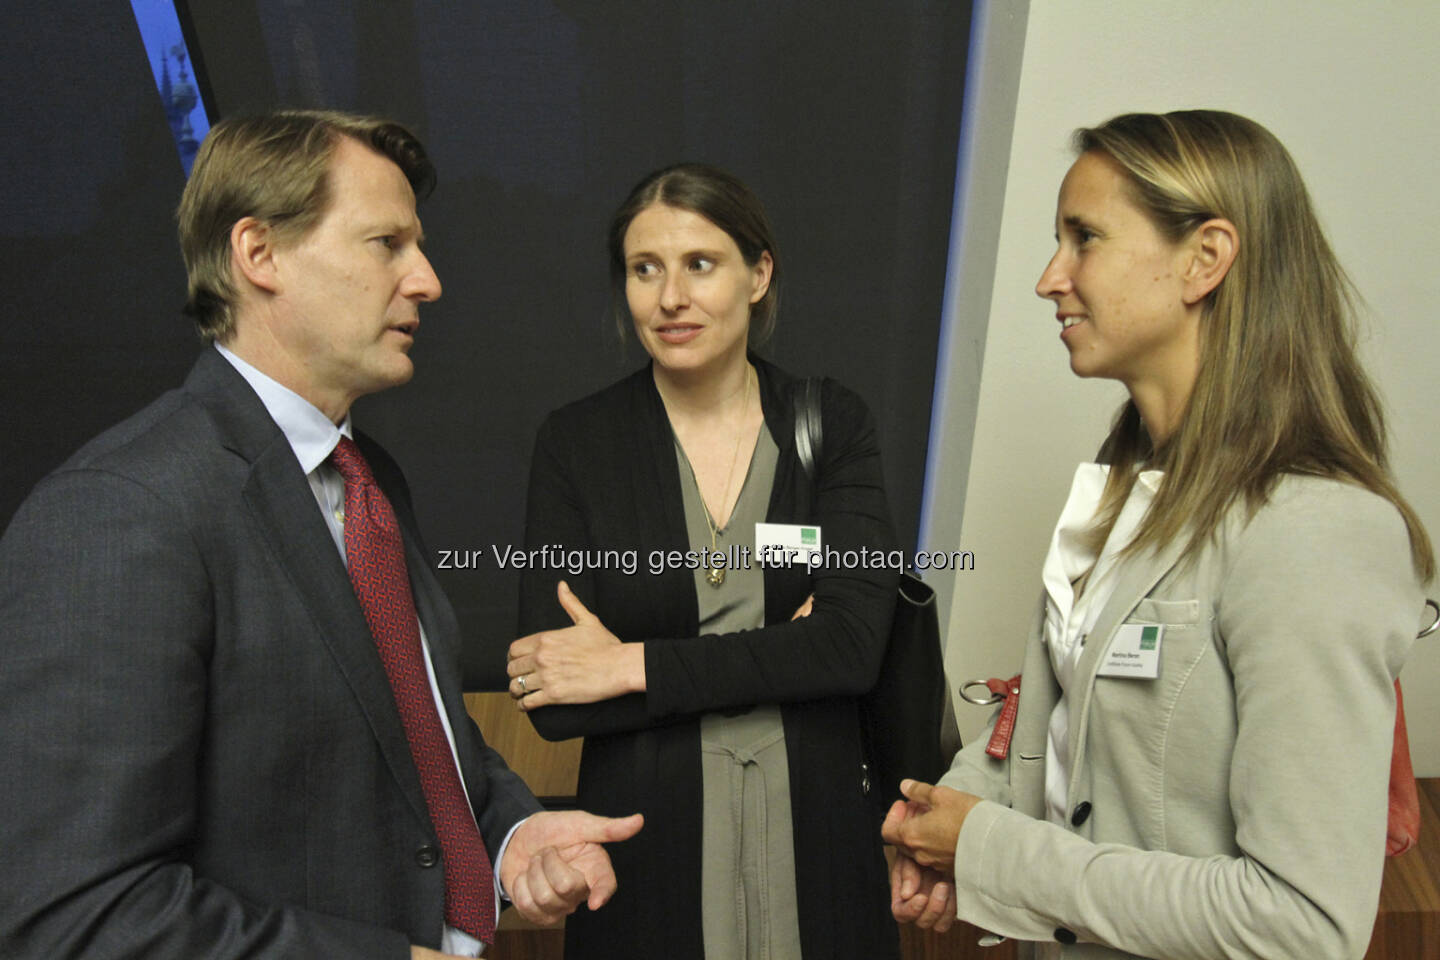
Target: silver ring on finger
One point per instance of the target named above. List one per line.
(523, 689)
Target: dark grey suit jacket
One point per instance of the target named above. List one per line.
(200, 755)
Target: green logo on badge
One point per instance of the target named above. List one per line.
(809, 536)
(1148, 636)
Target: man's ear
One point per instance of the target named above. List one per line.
(1214, 245)
(252, 254)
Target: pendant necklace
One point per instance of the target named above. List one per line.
(715, 576)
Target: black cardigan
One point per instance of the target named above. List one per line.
(604, 476)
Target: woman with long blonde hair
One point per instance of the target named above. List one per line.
(1203, 741)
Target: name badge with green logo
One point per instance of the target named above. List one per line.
(1135, 652)
(784, 544)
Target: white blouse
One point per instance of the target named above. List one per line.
(1068, 620)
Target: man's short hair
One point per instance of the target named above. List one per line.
(273, 167)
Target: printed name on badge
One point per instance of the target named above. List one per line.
(1135, 652)
(784, 544)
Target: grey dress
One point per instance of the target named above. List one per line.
(747, 873)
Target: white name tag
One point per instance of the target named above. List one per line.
(784, 544)
(1135, 652)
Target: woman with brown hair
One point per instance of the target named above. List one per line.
(1203, 742)
(707, 701)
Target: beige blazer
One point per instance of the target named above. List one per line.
(1236, 805)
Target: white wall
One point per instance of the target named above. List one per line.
(1351, 89)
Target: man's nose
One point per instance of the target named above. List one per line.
(422, 283)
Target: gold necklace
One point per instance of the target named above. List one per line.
(715, 576)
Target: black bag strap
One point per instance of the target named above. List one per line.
(902, 715)
(809, 430)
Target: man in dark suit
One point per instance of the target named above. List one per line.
(216, 740)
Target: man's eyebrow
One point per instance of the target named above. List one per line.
(396, 228)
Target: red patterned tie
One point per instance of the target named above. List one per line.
(375, 554)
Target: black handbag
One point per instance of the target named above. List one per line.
(901, 716)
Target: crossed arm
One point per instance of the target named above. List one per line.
(582, 680)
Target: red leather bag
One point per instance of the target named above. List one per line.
(1403, 827)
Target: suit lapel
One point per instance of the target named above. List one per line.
(658, 475)
(285, 513)
(1136, 578)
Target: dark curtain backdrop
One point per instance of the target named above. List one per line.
(89, 179)
(844, 118)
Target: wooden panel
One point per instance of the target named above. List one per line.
(518, 939)
(1409, 921)
(1407, 928)
(549, 769)
(960, 942)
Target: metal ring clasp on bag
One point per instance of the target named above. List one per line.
(1434, 621)
(991, 700)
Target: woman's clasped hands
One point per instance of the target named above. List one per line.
(924, 828)
(583, 663)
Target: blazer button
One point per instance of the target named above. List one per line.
(427, 856)
(1065, 936)
(1080, 814)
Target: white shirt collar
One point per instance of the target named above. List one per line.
(1071, 551)
(310, 433)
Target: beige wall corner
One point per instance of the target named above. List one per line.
(1350, 89)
